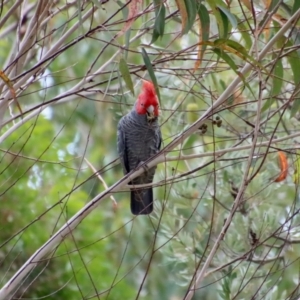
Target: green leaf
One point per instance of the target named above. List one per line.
(234, 45)
(278, 78)
(204, 33)
(276, 84)
(221, 19)
(294, 61)
(155, 36)
(236, 49)
(223, 25)
(149, 67)
(128, 33)
(205, 23)
(296, 176)
(160, 12)
(232, 19)
(232, 65)
(124, 70)
(183, 14)
(226, 58)
(159, 25)
(296, 102)
(80, 16)
(191, 9)
(296, 6)
(124, 9)
(273, 4)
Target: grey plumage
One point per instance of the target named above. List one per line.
(138, 140)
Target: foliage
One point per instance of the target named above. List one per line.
(225, 222)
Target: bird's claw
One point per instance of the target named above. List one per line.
(145, 167)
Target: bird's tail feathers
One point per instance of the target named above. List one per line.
(142, 202)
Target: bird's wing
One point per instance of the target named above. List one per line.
(159, 140)
(121, 142)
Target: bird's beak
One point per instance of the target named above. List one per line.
(150, 112)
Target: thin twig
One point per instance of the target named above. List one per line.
(115, 204)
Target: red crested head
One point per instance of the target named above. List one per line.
(147, 102)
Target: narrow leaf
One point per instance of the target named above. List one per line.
(232, 65)
(296, 176)
(80, 16)
(133, 8)
(232, 19)
(296, 6)
(192, 12)
(233, 47)
(125, 12)
(160, 20)
(204, 24)
(124, 70)
(221, 19)
(226, 58)
(155, 36)
(159, 25)
(283, 164)
(149, 67)
(183, 13)
(277, 79)
(294, 61)
(296, 102)
(11, 88)
(276, 84)
(224, 29)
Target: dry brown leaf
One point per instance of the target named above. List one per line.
(184, 16)
(267, 27)
(11, 88)
(133, 10)
(283, 163)
(238, 97)
(200, 52)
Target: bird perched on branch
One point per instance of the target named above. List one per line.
(139, 138)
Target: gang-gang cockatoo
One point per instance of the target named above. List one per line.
(139, 138)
